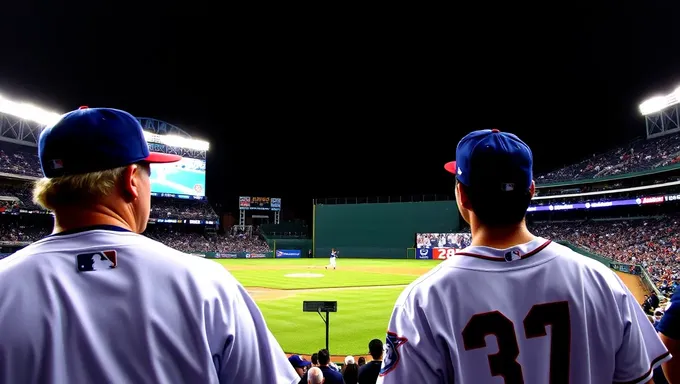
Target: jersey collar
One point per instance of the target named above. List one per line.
(104, 227)
(517, 252)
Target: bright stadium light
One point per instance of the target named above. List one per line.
(177, 141)
(658, 103)
(43, 117)
(27, 111)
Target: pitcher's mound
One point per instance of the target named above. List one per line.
(304, 275)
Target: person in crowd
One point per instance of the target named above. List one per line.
(331, 376)
(350, 370)
(316, 376)
(368, 374)
(301, 365)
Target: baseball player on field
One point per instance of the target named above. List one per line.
(334, 255)
(513, 307)
(96, 302)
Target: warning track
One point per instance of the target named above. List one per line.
(261, 293)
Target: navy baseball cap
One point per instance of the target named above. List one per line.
(298, 362)
(94, 139)
(493, 161)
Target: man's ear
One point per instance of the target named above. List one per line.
(462, 196)
(532, 189)
(131, 181)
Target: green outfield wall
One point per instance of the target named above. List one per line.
(378, 230)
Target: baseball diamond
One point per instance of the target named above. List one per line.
(365, 290)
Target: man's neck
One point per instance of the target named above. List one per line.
(70, 219)
(501, 238)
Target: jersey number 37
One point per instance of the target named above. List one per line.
(504, 362)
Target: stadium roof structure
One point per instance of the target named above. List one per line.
(21, 123)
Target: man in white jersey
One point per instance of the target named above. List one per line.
(513, 307)
(96, 302)
(334, 255)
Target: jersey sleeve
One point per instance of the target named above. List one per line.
(249, 353)
(641, 349)
(410, 353)
(669, 325)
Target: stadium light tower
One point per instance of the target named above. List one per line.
(661, 114)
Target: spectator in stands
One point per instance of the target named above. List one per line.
(350, 371)
(638, 156)
(330, 375)
(315, 359)
(368, 374)
(361, 362)
(316, 376)
(301, 365)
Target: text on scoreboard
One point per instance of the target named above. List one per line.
(259, 203)
(440, 246)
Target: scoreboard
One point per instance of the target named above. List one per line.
(259, 203)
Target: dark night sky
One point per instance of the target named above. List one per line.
(344, 102)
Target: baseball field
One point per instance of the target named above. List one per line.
(365, 290)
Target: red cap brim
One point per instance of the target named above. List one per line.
(156, 157)
(451, 167)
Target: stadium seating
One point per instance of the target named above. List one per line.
(640, 155)
(16, 199)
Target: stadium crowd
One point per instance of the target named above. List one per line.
(637, 156)
(651, 242)
(174, 208)
(19, 160)
(353, 371)
(179, 239)
(199, 242)
(13, 231)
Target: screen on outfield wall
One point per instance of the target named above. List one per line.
(440, 246)
(443, 240)
(181, 179)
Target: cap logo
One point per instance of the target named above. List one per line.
(56, 164)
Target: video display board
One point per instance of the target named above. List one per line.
(259, 203)
(440, 246)
(183, 179)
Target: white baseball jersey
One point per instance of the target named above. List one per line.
(106, 305)
(535, 313)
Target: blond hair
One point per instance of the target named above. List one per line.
(65, 191)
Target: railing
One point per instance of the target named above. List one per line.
(384, 199)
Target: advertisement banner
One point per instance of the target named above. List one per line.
(626, 268)
(288, 254)
(255, 255)
(424, 253)
(238, 255)
(219, 255)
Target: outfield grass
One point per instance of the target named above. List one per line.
(364, 289)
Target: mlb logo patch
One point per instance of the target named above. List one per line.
(56, 164)
(96, 261)
(513, 255)
(508, 187)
